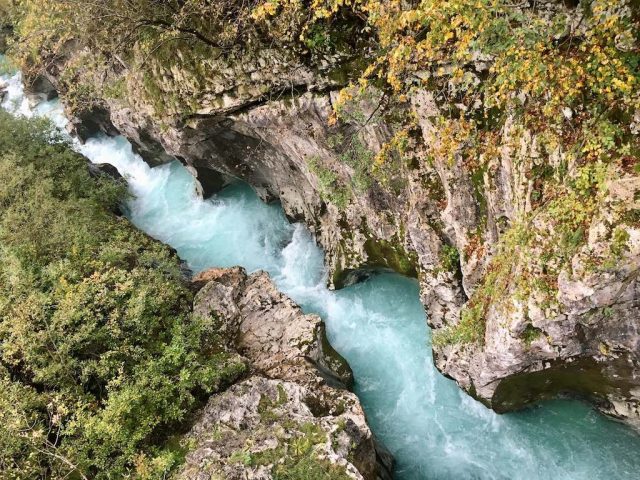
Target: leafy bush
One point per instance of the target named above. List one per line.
(101, 359)
(449, 258)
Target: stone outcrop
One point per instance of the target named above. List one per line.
(586, 343)
(270, 146)
(292, 411)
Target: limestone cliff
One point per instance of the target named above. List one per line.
(526, 249)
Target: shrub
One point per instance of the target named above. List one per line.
(330, 187)
(101, 359)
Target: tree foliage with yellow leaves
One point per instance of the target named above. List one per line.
(565, 72)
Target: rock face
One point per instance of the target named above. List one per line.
(439, 220)
(586, 343)
(285, 415)
(273, 146)
(586, 346)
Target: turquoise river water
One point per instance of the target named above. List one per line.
(434, 430)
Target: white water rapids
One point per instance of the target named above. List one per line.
(434, 430)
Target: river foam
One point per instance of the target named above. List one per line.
(434, 430)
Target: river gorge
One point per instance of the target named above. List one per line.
(433, 429)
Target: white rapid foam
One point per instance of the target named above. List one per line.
(434, 430)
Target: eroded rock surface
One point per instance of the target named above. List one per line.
(285, 415)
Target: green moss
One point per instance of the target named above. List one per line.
(631, 217)
(295, 457)
(449, 259)
(331, 190)
(310, 468)
(116, 89)
(266, 409)
(391, 254)
(331, 360)
(241, 456)
(530, 334)
(619, 243)
(282, 395)
(477, 179)
(470, 328)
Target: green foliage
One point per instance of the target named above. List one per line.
(329, 184)
(295, 458)
(148, 42)
(449, 258)
(495, 285)
(309, 467)
(618, 246)
(470, 328)
(620, 242)
(360, 158)
(6, 67)
(318, 38)
(530, 334)
(100, 357)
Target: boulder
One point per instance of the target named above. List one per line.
(292, 409)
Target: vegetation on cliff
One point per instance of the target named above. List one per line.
(101, 358)
(565, 73)
(179, 56)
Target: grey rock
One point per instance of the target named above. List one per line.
(285, 409)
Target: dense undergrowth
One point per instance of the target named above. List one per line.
(560, 76)
(101, 360)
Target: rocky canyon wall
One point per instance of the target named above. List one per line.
(524, 304)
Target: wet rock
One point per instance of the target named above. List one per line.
(105, 169)
(210, 181)
(5, 33)
(269, 328)
(88, 123)
(40, 89)
(3, 91)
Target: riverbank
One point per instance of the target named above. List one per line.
(109, 353)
